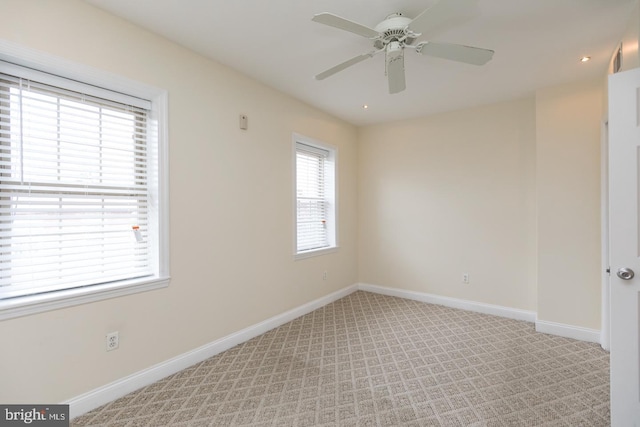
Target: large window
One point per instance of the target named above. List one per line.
(315, 197)
(81, 201)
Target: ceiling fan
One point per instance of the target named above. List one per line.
(396, 33)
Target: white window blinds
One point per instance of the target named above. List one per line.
(73, 187)
(311, 198)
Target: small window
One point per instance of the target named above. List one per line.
(315, 197)
(80, 189)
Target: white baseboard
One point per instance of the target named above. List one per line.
(568, 331)
(560, 329)
(88, 401)
(496, 310)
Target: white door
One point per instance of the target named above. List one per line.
(624, 220)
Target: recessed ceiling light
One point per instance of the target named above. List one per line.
(365, 106)
(585, 59)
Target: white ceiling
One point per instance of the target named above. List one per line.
(538, 43)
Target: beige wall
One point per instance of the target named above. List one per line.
(448, 194)
(231, 211)
(568, 121)
(509, 193)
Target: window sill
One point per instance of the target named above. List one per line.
(32, 304)
(315, 252)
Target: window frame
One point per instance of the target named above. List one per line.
(158, 116)
(331, 195)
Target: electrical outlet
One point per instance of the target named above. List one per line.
(324, 276)
(465, 278)
(113, 341)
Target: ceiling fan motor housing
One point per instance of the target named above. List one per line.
(393, 28)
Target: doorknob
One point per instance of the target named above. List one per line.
(625, 273)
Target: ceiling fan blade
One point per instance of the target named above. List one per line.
(344, 24)
(395, 69)
(436, 14)
(331, 71)
(456, 52)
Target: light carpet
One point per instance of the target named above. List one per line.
(373, 360)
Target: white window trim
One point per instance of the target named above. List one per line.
(334, 157)
(31, 304)
(315, 252)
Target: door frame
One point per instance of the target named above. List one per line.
(604, 224)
